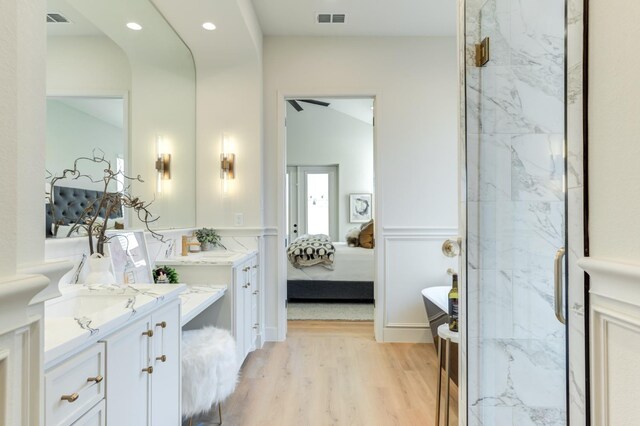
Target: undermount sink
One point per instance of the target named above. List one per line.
(91, 301)
(84, 305)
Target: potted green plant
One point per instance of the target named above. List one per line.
(208, 238)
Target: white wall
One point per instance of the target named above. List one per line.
(230, 103)
(86, 65)
(319, 136)
(415, 80)
(614, 175)
(72, 133)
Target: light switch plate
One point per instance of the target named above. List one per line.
(239, 220)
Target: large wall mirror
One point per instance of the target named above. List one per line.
(120, 86)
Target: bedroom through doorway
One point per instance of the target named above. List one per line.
(329, 190)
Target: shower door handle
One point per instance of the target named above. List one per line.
(557, 285)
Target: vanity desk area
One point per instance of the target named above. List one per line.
(112, 353)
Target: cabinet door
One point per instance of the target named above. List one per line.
(247, 330)
(128, 383)
(239, 323)
(165, 382)
(255, 297)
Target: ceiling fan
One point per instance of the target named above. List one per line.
(295, 103)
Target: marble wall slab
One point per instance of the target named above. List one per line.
(516, 217)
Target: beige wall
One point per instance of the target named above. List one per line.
(614, 131)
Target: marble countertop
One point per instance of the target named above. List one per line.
(85, 314)
(208, 258)
(197, 298)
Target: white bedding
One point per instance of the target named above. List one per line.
(349, 264)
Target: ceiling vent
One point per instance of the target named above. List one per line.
(329, 18)
(56, 18)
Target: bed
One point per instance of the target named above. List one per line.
(351, 278)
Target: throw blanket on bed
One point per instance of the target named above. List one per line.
(309, 250)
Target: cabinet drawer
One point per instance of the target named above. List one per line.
(93, 417)
(72, 388)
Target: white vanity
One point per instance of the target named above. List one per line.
(239, 308)
(113, 352)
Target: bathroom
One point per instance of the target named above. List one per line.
(512, 205)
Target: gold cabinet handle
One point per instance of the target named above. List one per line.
(255, 266)
(162, 324)
(256, 292)
(255, 327)
(162, 358)
(70, 398)
(96, 379)
(148, 370)
(148, 333)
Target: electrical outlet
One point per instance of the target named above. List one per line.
(239, 221)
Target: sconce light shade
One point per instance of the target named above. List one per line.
(227, 166)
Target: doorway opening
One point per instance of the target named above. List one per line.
(329, 195)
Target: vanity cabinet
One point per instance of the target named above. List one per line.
(74, 387)
(238, 310)
(143, 370)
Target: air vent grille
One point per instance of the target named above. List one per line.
(56, 18)
(330, 18)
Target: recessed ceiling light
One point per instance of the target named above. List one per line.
(209, 26)
(134, 26)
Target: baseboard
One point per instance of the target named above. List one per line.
(406, 335)
(271, 334)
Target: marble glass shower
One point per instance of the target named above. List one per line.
(516, 222)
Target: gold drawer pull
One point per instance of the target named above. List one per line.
(256, 292)
(162, 358)
(70, 398)
(148, 333)
(162, 324)
(148, 370)
(255, 266)
(96, 379)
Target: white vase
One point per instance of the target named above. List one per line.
(99, 270)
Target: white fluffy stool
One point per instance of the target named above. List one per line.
(209, 369)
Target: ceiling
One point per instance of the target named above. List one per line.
(358, 108)
(78, 25)
(109, 110)
(363, 17)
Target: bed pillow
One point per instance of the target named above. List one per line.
(310, 250)
(353, 237)
(366, 235)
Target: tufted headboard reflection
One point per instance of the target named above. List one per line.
(69, 203)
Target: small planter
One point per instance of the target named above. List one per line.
(206, 246)
(99, 270)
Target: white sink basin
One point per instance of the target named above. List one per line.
(85, 305)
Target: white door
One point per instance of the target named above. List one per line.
(313, 201)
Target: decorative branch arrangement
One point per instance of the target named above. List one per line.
(94, 218)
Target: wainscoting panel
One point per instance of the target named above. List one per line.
(413, 261)
(615, 341)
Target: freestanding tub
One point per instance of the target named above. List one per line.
(436, 303)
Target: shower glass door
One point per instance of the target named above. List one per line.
(515, 144)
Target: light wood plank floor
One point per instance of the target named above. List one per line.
(334, 373)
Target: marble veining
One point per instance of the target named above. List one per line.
(515, 211)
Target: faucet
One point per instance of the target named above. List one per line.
(186, 244)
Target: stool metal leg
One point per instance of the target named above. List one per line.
(220, 411)
(439, 381)
(446, 395)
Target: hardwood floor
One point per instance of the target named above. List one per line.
(334, 373)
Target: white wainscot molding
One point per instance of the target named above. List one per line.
(615, 341)
(413, 260)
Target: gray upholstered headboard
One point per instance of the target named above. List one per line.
(69, 203)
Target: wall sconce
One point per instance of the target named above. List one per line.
(227, 163)
(163, 165)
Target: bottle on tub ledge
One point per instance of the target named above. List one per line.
(453, 304)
